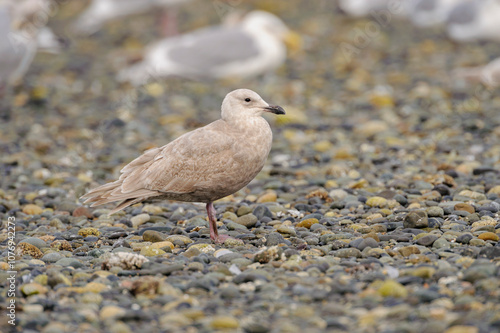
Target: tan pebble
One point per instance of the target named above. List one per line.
(319, 193)
(270, 196)
(494, 190)
(391, 288)
(152, 209)
(473, 195)
(160, 245)
(232, 242)
(82, 211)
(33, 289)
(372, 217)
(184, 239)
(414, 205)
(467, 167)
(111, 311)
(376, 202)
(322, 146)
(149, 251)
(462, 329)
(89, 232)
(371, 128)
(47, 238)
(26, 248)
(359, 184)
(331, 184)
(31, 196)
(408, 250)
(465, 207)
(431, 195)
(140, 219)
(307, 223)
(31, 209)
(488, 236)
(61, 245)
(204, 248)
(221, 252)
(224, 322)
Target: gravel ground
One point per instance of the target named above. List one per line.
(376, 212)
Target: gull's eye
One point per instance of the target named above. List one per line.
(247, 99)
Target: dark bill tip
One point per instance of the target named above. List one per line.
(276, 109)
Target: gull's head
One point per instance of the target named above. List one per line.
(264, 21)
(245, 103)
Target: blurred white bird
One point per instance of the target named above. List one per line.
(21, 37)
(363, 8)
(475, 20)
(426, 13)
(252, 47)
(101, 11)
(488, 74)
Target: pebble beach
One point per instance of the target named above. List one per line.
(377, 210)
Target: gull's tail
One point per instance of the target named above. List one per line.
(112, 192)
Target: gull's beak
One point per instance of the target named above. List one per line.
(276, 109)
(293, 41)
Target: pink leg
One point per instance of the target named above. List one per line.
(168, 22)
(214, 234)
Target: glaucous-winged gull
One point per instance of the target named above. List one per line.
(474, 20)
(101, 11)
(252, 47)
(204, 165)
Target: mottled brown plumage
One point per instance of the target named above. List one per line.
(204, 165)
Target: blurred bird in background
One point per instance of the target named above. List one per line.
(251, 47)
(99, 12)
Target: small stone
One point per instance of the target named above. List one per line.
(31, 209)
(465, 207)
(435, 211)
(477, 242)
(283, 229)
(152, 209)
(488, 236)
(51, 257)
(233, 242)
(462, 329)
(427, 240)
(89, 232)
(473, 195)
(349, 252)
(248, 220)
(82, 211)
(270, 196)
(441, 243)
(464, 238)
(161, 245)
(179, 238)
(26, 248)
(416, 219)
(391, 288)
(111, 311)
(376, 202)
(224, 322)
(61, 245)
(274, 238)
(33, 289)
(149, 251)
(409, 250)
(307, 223)
(262, 211)
(35, 242)
(140, 219)
(153, 236)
